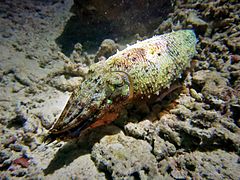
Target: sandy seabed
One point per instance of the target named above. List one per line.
(195, 136)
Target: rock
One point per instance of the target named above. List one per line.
(190, 162)
(22, 78)
(217, 164)
(204, 119)
(196, 95)
(207, 135)
(1, 74)
(45, 120)
(139, 130)
(9, 140)
(215, 86)
(7, 34)
(63, 84)
(19, 173)
(167, 24)
(135, 130)
(235, 58)
(123, 157)
(179, 174)
(164, 166)
(77, 52)
(199, 24)
(78, 47)
(234, 44)
(16, 147)
(200, 164)
(7, 163)
(187, 101)
(166, 130)
(76, 69)
(200, 77)
(4, 155)
(107, 48)
(79, 56)
(182, 112)
(30, 127)
(162, 149)
(30, 141)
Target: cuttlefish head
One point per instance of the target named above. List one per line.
(95, 103)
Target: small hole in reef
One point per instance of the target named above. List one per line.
(17, 122)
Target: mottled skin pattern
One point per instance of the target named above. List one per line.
(138, 71)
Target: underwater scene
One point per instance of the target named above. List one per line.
(121, 89)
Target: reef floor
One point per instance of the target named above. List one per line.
(193, 133)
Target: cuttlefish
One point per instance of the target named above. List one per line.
(139, 71)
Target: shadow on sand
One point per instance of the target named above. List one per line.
(76, 148)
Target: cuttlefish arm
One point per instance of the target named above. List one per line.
(95, 107)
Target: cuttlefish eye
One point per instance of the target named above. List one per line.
(120, 83)
(116, 80)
